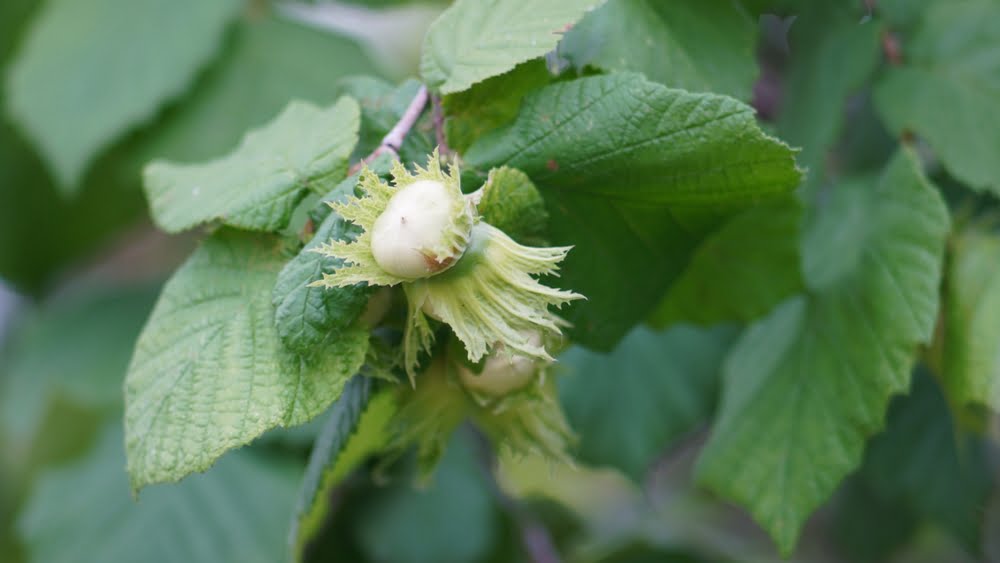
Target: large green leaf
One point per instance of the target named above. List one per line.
(948, 90)
(832, 54)
(476, 39)
(971, 347)
(741, 271)
(258, 185)
(210, 372)
(78, 348)
(634, 174)
(629, 406)
(806, 386)
(237, 513)
(91, 70)
(357, 428)
(700, 45)
(266, 64)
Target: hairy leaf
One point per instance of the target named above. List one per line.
(634, 174)
(91, 70)
(83, 512)
(258, 185)
(210, 372)
(948, 90)
(476, 39)
(699, 45)
(629, 406)
(806, 386)
(741, 271)
(304, 315)
(357, 428)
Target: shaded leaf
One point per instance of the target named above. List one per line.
(629, 406)
(741, 271)
(948, 90)
(234, 514)
(75, 87)
(698, 45)
(805, 387)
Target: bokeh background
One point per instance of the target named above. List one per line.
(80, 268)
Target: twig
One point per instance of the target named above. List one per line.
(393, 140)
(438, 114)
(534, 536)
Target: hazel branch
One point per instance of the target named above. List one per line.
(393, 140)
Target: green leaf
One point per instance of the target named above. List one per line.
(258, 185)
(210, 372)
(236, 513)
(629, 407)
(832, 54)
(268, 58)
(699, 45)
(948, 90)
(476, 39)
(356, 429)
(490, 104)
(634, 174)
(512, 204)
(741, 271)
(382, 106)
(78, 348)
(804, 387)
(91, 70)
(927, 462)
(971, 369)
(304, 315)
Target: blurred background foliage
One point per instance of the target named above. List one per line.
(80, 266)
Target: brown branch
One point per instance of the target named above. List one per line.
(393, 140)
(438, 114)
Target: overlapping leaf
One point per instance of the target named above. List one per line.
(356, 429)
(948, 90)
(805, 387)
(634, 174)
(741, 271)
(476, 39)
(210, 372)
(971, 347)
(267, 57)
(91, 70)
(257, 186)
(699, 45)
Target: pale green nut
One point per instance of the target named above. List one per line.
(423, 233)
